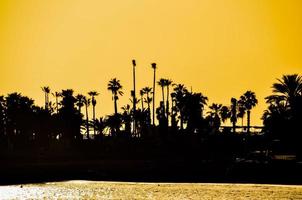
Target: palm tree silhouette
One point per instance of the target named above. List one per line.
(57, 95)
(113, 123)
(18, 117)
(241, 110)
(283, 118)
(142, 92)
(193, 108)
(249, 101)
(87, 103)
(224, 113)
(214, 113)
(93, 94)
(215, 110)
(46, 91)
(179, 93)
(276, 119)
(127, 118)
(173, 111)
(233, 113)
(153, 65)
(70, 116)
(168, 82)
(100, 126)
(115, 87)
(80, 101)
(162, 84)
(148, 100)
(286, 90)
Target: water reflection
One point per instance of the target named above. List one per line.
(129, 190)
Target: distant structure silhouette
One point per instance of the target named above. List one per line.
(153, 65)
(115, 87)
(134, 97)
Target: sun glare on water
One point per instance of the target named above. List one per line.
(80, 189)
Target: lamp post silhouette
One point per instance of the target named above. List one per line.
(134, 97)
(153, 65)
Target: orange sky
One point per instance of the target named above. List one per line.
(219, 47)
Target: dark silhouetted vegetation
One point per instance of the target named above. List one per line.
(184, 128)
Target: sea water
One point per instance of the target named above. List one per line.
(132, 190)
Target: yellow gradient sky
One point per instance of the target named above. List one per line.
(219, 47)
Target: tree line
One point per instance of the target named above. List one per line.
(65, 116)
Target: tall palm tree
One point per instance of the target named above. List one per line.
(179, 93)
(87, 103)
(224, 113)
(233, 113)
(57, 95)
(162, 84)
(168, 83)
(286, 90)
(93, 94)
(153, 65)
(46, 91)
(115, 87)
(80, 101)
(193, 108)
(241, 110)
(249, 101)
(214, 113)
(202, 100)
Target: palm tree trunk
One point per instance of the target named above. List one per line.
(115, 104)
(153, 112)
(93, 107)
(172, 114)
(142, 103)
(134, 101)
(149, 111)
(181, 122)
(248, 120)
(87, 123)
(167, 106)
(45, 101)
(242, 124)
(57, 107)
(163, 94)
